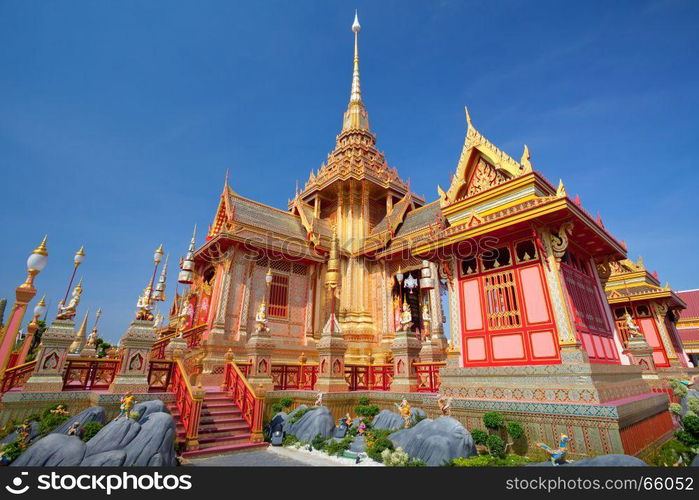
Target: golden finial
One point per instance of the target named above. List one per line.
(42, 302)
(41, 249)
(526, 164)
(639, 262)
(356, 94)
(81, 252)
(468, 118)
(561, 190)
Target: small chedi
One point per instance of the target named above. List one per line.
(344, 295)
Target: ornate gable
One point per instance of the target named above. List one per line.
(481, 166)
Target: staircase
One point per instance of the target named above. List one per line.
(222, 428)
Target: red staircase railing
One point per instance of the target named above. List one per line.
(89, 374)
(428, 377)
(16, 376)
(294, 376)
(188, 402)
(250, 405)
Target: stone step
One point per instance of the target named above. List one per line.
(221, 450)
(210, 442)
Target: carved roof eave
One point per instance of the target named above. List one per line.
(276, 243)
(475, 144)
(533, 209)
(653, 293)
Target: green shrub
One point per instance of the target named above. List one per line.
(493, 420)
(286, 402)
(134, 415)
(318, 442)
(479, 436)
(693, 404)
(670, 453)
(397, 458)
(686, 438)
(277, 407)
(515, 430)
(50, 421)
(690, 423)
(338, 447)
(289, 440)
(496, 446)
(690, 413)
(90, 429)
(368, 411)
(675, 408)
(363, 401)
(378, 439)
(11, 450)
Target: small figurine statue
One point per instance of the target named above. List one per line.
(405, 411)
(145, 305)
(348, 420)
(69, 311)
(444, 403)
(406, 318)
(23, 430)
(60, 410)
(426, 321)
(361, 428)
(74, 430)
(557, 455)
(261, 318)
(319, 400)
(634, 330)
(127, 403)
(158, 321)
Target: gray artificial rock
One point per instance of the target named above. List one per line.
(291, 415)
(318, 421)
(388, 420)
(154, 444)
(147, 407)
(113, 458)
(92, 414)
(695, 462)
(51, 451)
(33, 433)
(435, 442)
(113, 436)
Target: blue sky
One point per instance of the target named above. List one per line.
(118, 120)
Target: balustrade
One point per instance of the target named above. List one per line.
(16, 376)
(89, 374)
(250, 404)
(188, 402)
(294, 376)
(428, 377)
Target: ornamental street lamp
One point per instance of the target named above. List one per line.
(23, 295)
(39, 310)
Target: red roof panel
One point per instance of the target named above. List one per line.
(691, 297)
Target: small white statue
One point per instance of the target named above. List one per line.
(634, 330)
(406, 318)
(261, 318)
(69, 311)
(319, 400)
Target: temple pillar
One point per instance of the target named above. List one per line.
(640, 353)
(217, 341)
(136, 345)
(406, 351)
(259, 352)
(50, 360)
(331, 353)
(434, 348)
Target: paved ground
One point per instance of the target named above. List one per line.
(259, 458)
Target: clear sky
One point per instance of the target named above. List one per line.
(118, 120)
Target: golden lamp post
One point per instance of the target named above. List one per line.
(39, 310)
(24, 293)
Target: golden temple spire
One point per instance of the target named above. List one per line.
(356, 116)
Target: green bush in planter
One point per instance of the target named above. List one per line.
(515, 430)
(493, 420)
(496, 446)
(479, 436)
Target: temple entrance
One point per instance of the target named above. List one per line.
(408, 292)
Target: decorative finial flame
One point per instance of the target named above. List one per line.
(355, 25)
